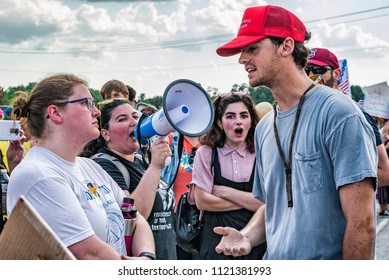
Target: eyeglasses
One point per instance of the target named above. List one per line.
(317, 70)
(90, 103)
(192, 155)
(109, 101)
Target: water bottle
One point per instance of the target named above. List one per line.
(4, 179)
(129, 213)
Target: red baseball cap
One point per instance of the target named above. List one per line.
(261, 22)
(323, 57)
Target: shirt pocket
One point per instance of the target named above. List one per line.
(309, 172)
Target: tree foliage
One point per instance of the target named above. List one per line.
(258, 94)
(357, 93)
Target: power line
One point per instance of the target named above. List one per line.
(354, 20)
(182, 43)
(349, 14)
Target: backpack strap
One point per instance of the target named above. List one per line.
(179, 151)
(118, 164)
(213, 156)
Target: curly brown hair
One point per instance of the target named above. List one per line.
(215, 137)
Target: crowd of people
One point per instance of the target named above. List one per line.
(281, 181)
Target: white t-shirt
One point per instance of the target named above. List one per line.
(77, 199)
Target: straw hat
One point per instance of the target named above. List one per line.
(262, 108)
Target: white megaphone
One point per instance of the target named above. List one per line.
(186, 108)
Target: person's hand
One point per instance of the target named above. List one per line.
(15, 151)
(159, 151)
(233, 242)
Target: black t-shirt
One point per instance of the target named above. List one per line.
(161, 218)
(373, 124)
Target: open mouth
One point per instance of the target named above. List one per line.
(239, 131)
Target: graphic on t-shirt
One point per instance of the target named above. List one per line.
(93, 189)
(114, 223)
(185, 162)
(167, 195)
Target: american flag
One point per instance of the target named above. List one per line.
(343, 81)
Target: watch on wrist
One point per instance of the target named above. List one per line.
(148, 254)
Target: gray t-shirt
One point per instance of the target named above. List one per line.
(334, 145)
(76, 200)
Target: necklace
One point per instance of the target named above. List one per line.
(288, 164)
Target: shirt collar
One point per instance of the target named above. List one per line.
(242, 151)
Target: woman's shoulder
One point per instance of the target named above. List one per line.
(204, 149)
(204, 155)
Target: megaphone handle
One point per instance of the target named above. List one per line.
(168, 160)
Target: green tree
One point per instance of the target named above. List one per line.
(96, 95)
(357, 93)
(156, 101)
(213, 92)
(258, 94)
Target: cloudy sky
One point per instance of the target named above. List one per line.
(149, 44)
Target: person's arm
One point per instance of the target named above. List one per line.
(15, 152)
(357, 204)
(93, 248)
(209, 202)
(144, 194)
(237, 243)
(143, 240)
(243, 199)
(383, 166)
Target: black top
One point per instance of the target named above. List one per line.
(374, 126)
(161, 218)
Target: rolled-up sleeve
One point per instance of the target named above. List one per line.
(202, 174)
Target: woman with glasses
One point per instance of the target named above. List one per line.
(222, 177)
(115, 150)
(74, 195)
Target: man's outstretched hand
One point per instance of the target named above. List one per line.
(232, 243)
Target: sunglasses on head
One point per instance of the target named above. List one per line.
(101, 104)
(109, 101)
(226, 94)
(317, 70)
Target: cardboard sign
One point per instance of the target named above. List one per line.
(376, 101)
(26, 236)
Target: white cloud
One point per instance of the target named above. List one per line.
(351, 39)
(223, 15)
(21, 20)
(148, 44)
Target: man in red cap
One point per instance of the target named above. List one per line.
(318, 192)
(323, 62)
